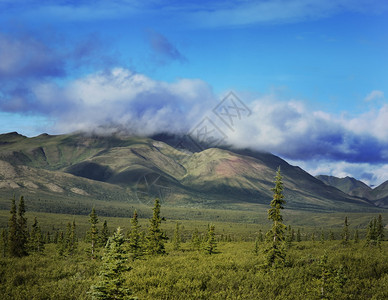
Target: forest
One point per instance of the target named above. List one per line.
(157, 259)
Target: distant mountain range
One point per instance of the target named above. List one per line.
(357, 188)
(66, 173)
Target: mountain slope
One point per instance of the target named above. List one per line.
(348, 185)
(132, 169)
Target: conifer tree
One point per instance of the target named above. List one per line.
(156, 237)
(211, 244)
(36, 241)
(380, 228)
(322, 240)
(196, 240)
(135, 238)
(177, 237)
(275, 252)
(104, 234)
(111, 279)
(371, 234)
(13, 231)
(345, 232)
(92, 234)
(22, 232)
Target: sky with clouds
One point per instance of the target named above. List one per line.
(314, 73)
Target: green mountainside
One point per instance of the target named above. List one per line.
(354, 187)
(70, 173)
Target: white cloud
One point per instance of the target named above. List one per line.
(375, 94)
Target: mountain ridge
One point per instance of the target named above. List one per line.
(105, 168)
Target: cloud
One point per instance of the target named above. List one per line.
(163, 48)
(375, 94)
(118, 98)
(292, 131)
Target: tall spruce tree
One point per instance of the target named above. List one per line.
(380, 228)
(104, 234)
(135, 244)
(36, 240)
(196, 240)
(92, 234)
(275, 250)
(111, 279)
(156, 237)
(211, 243)
(13, 231)
(22, 232)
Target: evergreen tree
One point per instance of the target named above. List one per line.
(36, 241)
(275, 252)
(211, 244)
(13, 231)
(177, 237)
(92, 234)
(104, 234)
(371, 233)
(111, 279)
(68, 243)
(380, 228)
(135, 238)
(156, 237)
(313, 237)
(195, 240)
(22, 230)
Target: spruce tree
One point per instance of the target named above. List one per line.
(111, 278)
(211, 243)
(380, 228)
(196, 240)
(156, 237)
(92, 234)
(134, 238)
(345, 232)
(177, 237)
(13, 231)
(36, 241)
(22, 232)
(275, 252)
(104, 234)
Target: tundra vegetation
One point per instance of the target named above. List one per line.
(89, 258)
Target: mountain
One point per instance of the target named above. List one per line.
(348, 185)
(354, 187)
(69, 172)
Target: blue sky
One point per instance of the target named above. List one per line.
(313, 72)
